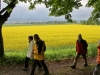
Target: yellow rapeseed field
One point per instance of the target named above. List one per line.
(16, 37)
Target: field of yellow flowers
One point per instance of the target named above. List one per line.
(55, 36)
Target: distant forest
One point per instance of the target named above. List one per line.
(87, 22)
(84, 22)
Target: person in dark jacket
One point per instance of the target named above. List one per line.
(39, 49)
(81, 49)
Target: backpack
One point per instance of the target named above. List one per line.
(44, 46)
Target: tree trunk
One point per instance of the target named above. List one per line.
(1, 43)
(4, 15)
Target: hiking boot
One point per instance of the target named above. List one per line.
(85, 65)
(25, 69)
(73, 67)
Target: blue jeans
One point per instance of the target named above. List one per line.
(97, 68)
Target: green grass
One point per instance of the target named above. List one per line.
(92, 50)
(58, 54)
(18, 56)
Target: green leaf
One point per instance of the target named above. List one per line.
(9, 10)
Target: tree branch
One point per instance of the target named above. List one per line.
(7, 14)
(3, 10)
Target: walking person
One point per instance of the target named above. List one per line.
(29, 54)
(81, 50)
(38, 50)
(97, 68)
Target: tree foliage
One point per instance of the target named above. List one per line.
(95, 15)
(56, 7)
(63, 7)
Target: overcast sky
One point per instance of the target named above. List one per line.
(41, 13)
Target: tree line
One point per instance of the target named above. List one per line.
(89, 22)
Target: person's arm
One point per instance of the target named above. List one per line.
(34, 51)
(76, 45)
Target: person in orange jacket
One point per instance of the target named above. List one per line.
(97, 61)
(38, 51)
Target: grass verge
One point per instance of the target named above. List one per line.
(16, 57)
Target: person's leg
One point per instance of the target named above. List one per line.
(75, 61)
(85, 59)
(33, 67)
(39, 65)
(44, 67)
(96, 69)
(26, 62)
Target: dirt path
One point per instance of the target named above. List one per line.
(55, 67)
